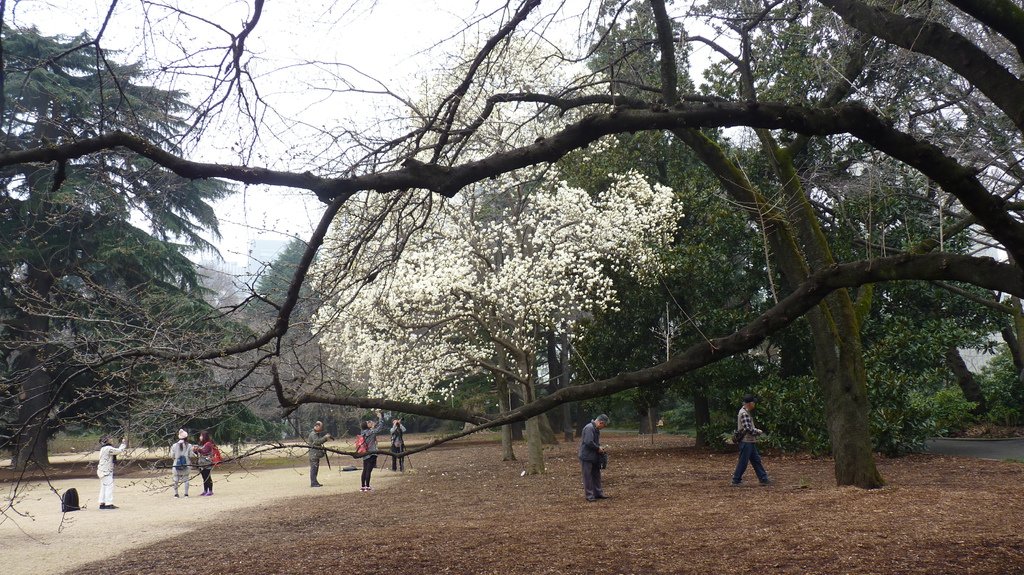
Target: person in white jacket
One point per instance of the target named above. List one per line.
(181, 453)
(105, 471)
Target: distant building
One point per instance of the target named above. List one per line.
(222, 278)
(262, 253)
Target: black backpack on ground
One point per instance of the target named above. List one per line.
(69, 501)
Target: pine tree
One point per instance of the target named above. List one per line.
(89, 246)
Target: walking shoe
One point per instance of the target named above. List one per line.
(317, 485)
(111, 506)
(175, 494)
(765, 483)
(735, 483)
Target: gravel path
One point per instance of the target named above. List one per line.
(37, 539)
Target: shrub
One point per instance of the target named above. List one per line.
(900, 420)
(792, 414)
(1004, 393)
(950, 411)
(679, 419)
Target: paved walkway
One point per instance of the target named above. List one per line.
(998, 449)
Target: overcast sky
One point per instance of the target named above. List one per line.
(388, 40)
(385, 39)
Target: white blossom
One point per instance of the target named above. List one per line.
(490, 269)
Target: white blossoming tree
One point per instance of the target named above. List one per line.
(477, 285)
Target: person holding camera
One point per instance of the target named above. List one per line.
(316, 451)
(369, 432)
(105, 470)
(205, 450)
(748, 444)
(590, 454)
(397, 445)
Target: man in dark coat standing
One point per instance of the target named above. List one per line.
(590, 458)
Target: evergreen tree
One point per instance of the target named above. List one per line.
(93, 249)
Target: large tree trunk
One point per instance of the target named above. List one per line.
(526, 373)
(649, 420)
(839, 367)
(838, 361)
(32, 429)
(965, 379)
(534, 446)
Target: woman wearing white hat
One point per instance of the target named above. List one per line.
(181, 451)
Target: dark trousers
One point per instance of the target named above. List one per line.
(592, 480)
(368, 464)
(749, 454)
(397, 461)
(207, 480)
(314, 468)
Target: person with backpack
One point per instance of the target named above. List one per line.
(369, 440)
(181, 452)
(748, 443)
(397, 445)
(316, 452)
(207, 452)
(105, 470)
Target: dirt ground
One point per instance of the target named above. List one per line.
(671, 511)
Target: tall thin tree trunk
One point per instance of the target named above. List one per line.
(516, 400)
(1011, 344)
(504, 406)
(547, 433)
(556, 418)
(534, 436)
(567, 426)
(649, 420)
(1015, 338)
(701, 415)
(965, 379)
